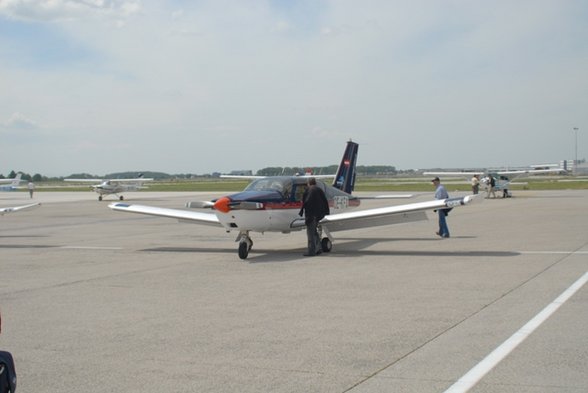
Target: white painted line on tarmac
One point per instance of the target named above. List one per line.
(554, 252)
(90, 248)
(472, 377)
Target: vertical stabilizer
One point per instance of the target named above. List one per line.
(16, 181)
(345, 178)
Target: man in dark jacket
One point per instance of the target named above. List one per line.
(314, 207)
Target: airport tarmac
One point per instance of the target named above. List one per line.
(94, 300)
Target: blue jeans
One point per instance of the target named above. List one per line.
(443, 230)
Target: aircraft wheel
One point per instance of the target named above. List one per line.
(100, 198)
(326, 244)
(244, 250)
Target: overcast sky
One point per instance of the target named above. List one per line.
(196, 86)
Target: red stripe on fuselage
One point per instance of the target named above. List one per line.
(297, 205)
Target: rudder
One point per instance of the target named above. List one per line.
(345, 178)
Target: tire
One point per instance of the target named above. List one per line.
(243, 250)
(326, 244)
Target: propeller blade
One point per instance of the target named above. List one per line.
(200, 205)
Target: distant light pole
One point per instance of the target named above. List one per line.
(576, 149)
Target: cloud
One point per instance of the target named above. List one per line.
(221, 84)
(18, 121)
(60, 10)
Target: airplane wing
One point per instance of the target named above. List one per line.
(136, 180)
(520, 172)
(387, 215)
(5, 210)
(454, 174)
(253, 177)
(335, 222)
(245, 177)
(513, 173)
(390, 196)
(85, 180)
(182, 215)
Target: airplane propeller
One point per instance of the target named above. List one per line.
(225, 204)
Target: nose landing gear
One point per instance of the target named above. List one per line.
(245, 244)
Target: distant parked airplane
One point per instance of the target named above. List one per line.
(10, 184)
(114, 186)
(502, 178)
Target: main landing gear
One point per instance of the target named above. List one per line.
(120, 198)
(326, 244)
(245, 243)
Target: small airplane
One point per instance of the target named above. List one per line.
(503, 178)
(272, 204)
(6, 210)
(10, 184)
(114, 186)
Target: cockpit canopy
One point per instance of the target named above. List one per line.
(290, 188)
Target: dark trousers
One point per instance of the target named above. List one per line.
(314, 242)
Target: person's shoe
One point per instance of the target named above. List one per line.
(319, 252)
(437, 233)
(444, 235)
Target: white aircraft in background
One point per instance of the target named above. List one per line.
(10, 184)
(502, 178)
(114, 186)
(272, 204)
(5, 210)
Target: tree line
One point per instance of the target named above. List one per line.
(362, 170)
(25, 176)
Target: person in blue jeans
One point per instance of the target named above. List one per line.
(441, 193)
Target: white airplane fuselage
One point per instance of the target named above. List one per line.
(276, 218)
(273, 204)
(106, 189)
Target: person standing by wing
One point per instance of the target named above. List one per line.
(314, 207)
(441, 193)
(475, 184)
(31, 187)
(491, 184)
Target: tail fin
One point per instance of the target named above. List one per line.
(345, 178)
(16, 181)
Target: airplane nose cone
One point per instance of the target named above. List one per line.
(222, 205)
